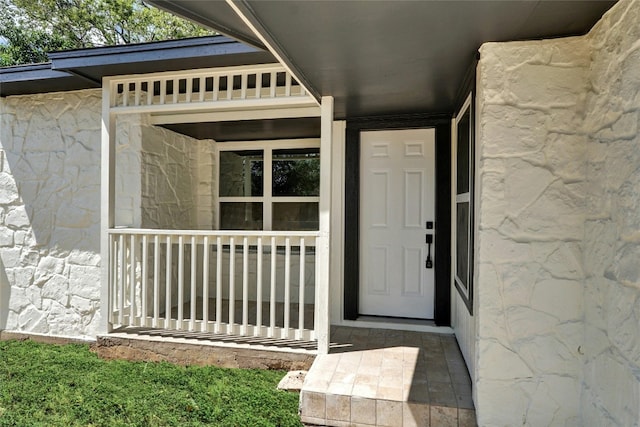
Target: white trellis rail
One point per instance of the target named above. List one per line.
(231, 86)
(225, 282)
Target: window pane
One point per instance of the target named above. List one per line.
(241, 173)
(462, 159)
(462, 243)
(296, 172)
(240, 216)
(295, 216)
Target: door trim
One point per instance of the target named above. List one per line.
(442, 126)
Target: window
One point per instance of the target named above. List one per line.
(463, 223)
(269, 185)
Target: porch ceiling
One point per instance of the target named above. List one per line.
(251, 130)
(389, 57)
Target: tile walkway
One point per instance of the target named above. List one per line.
(380, 377)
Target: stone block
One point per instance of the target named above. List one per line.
(57, 289)
(559, 298)
(33, 320)
(82, 305)
(8, 190)
(10, 257)
(6, 237)
(84, 281)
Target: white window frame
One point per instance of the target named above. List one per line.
(466, 292)
(267, 199)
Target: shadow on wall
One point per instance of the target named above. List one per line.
(50, 213)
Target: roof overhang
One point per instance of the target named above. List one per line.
(85, 68)
(388, 57)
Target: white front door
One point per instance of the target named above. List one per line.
(397, 195)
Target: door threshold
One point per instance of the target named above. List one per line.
(397, 323)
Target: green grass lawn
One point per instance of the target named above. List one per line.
(51, 385)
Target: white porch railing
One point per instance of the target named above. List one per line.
(262, 84)
(249, 283)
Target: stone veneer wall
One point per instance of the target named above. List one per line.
(177, 180)
(50, 213)
(50, 203)
(558, 277)
(164, 180)
(611, 383)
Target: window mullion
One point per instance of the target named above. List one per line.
(267, 205)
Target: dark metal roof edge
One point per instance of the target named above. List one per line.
(28, 72)
(157, 53)
(21, 67)
(143, 47)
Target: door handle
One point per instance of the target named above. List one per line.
(429, 241)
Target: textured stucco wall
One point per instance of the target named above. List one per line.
(558, 277)
(177, 180)
(50, 203)
(128, 170)
(611, 385)
(531, 100)
(164, 180)
(50, 213)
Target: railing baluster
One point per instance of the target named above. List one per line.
(287, 89)
(245, 286)
(194, 296)
(125, 94)
(156, 282)
(167, 284)
(287, 286)
(176, 91)
(143, 282)
(258, 329)
(218, 285)
(258, 85)
(202, 85)
(230, 86)
(205, 284)
(272, 295)
(137, 93)
(180, 281)
(216, 87)
(189, 90)
(132, 279)
(243, 86)
(273, 83)
(232, 285)
(163, 91)
(151, 84)
(114, 277)
(123, 281)
(301, 290)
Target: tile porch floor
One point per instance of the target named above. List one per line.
(381, 377)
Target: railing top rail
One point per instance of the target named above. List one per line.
(222, 233)
(198, 72)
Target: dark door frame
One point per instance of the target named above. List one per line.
(442, 125)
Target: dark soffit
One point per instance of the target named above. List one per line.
(396, 57)
(216, 15)
(251, 130)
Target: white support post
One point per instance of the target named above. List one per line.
(323, 268)
(107, 201)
